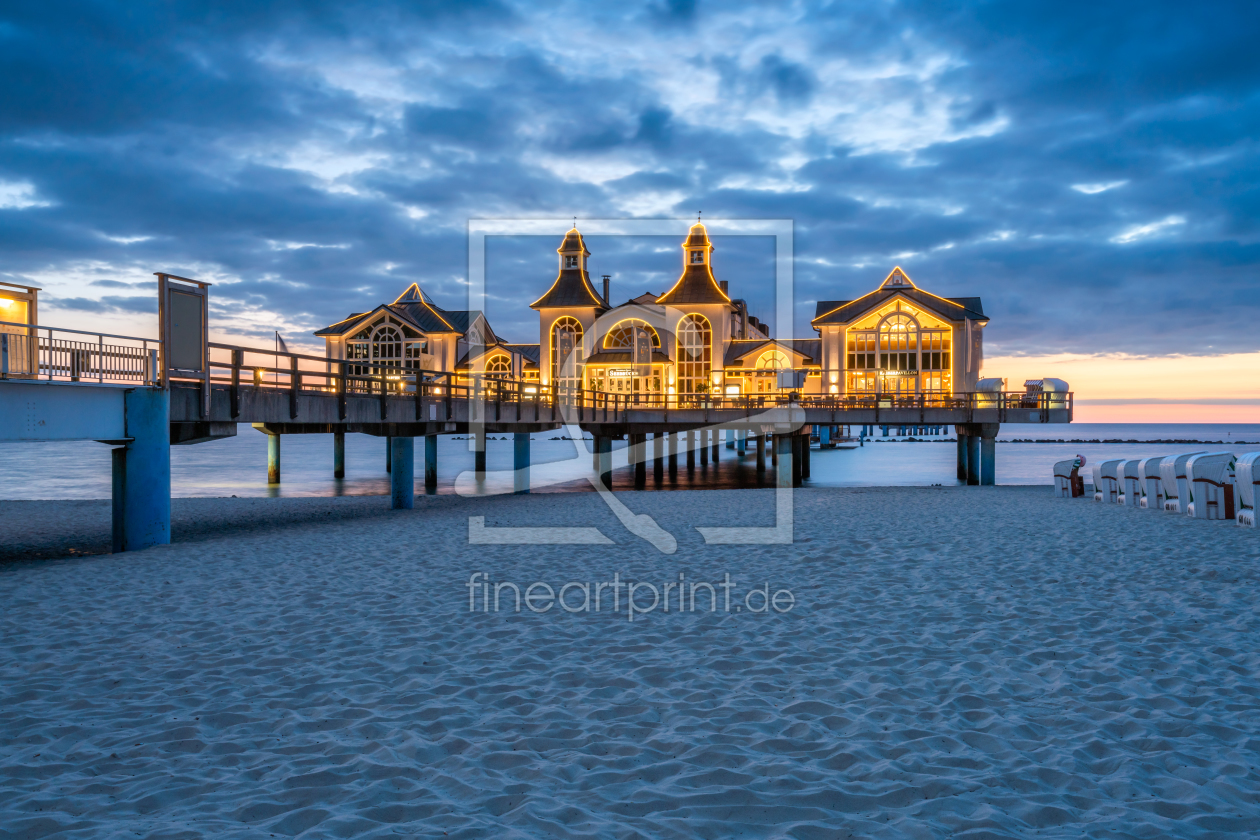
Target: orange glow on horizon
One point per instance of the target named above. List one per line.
(1199, 378)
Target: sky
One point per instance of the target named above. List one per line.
(1088, 169)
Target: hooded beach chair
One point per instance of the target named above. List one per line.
(1211, 486)
(1130, 483)
(1067, 481)
(1172, 474)
(1152, 486)
(1106, 484)
(1247, 476)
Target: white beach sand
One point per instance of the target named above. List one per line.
(960, 662)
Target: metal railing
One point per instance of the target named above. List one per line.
(31, 351)
(297, 373)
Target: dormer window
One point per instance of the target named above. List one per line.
(570, 262)
(697, 257)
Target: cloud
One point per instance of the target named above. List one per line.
(314, 159)
(1136, 232)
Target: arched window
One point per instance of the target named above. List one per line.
(621, 336)
(773, 360)
(566, 352)
(388, 344)
(899, 343)
(499, 365)
(695, 354)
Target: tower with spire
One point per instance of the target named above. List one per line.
(567, 313)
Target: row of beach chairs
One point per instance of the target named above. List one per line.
(1203, 485)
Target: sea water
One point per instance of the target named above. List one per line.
(237, 466)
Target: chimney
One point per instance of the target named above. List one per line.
(725, 284)
(607, 278)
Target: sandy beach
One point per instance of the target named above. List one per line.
(956, 662)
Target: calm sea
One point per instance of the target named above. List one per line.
(238, 466)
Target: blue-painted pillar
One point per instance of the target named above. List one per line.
(402, 473)
(988, 465)
(339, 454)
(430, 463)
(730, 438)
(520, 462)
(273, 459)
(783, 449)
(973, 460)
(824, 437)
(741, 442)
(142, 472)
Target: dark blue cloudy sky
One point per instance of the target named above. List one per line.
(1088, 168)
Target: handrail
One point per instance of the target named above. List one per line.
(79, 332)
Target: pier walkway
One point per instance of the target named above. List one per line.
(127, 393)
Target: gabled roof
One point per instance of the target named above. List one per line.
(809, 348)
(572, 286)
(414, 308)
(897, 283)
(844, 311)
(696, 285)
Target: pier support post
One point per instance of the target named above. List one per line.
(988, 453)
(716, 445)
(730, 438)
(691, 450)
(673, 456)
(805, 456)
(430, 463)
(761, 454)
(799, 442)
(604, 450)
(962, 455)
(520, 462)
(741, 442)
(783, 449)
(402, 473)
(703, 444)
(479, 454)
(824, 437)
(638, 457)
(142, 472)
(339, 454)
(973, 460)
(389, 454)
(658, 461)
(774, 450)
(273, 459)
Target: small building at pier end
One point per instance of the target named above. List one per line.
(900, 340)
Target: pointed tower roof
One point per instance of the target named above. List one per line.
(696, 285)
(572, 286)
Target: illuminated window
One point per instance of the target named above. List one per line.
(773, 360)
(570, 262)
(899, 344)
(621, 336)
(566, 350)
(697, 257)
(861, 354)
(695, 354)
(499, 365)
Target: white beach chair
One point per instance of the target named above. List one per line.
(1152, 486)
(1247, 476)
(1130, 483)
(1211, 486)
(1063, 471)
(1106, 484)
(1172, 475)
